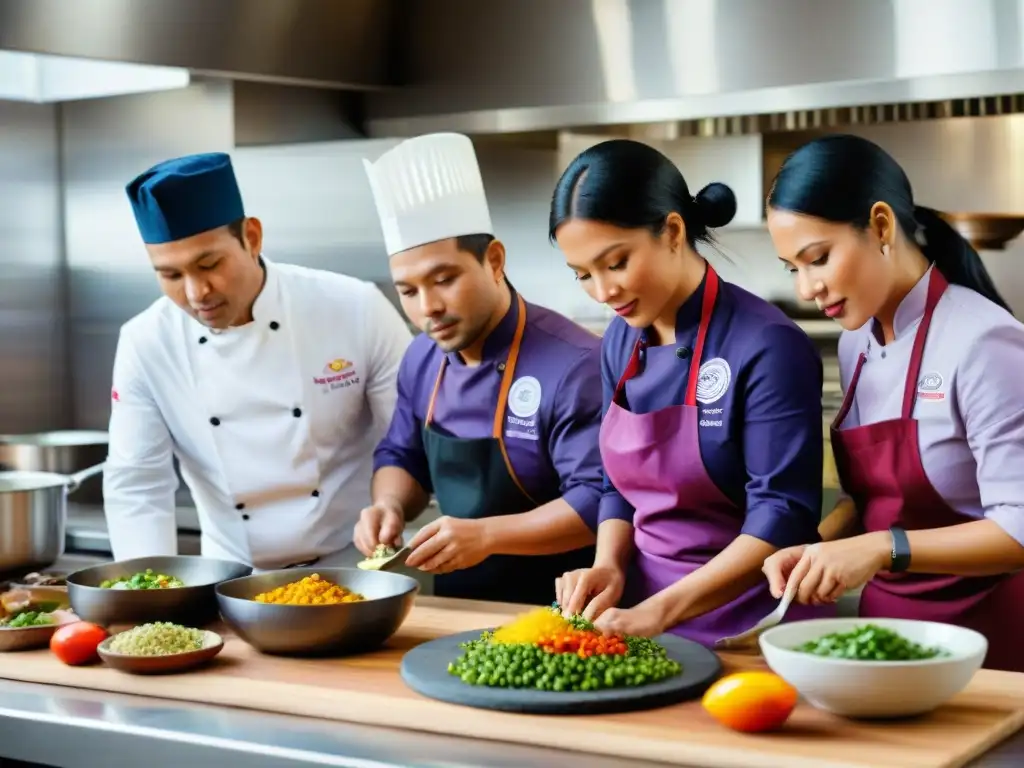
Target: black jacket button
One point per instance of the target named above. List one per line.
(245, 517)
(297, 412)
(239, 506)
(316, 493)
(215, 421)
(202, 339)
(274, 325)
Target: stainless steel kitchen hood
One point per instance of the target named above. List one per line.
(339, 44)
(535, 65)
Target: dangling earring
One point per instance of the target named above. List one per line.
(885, 250)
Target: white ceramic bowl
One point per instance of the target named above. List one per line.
(869, 689)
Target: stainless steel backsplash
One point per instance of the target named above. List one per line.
(34, 385)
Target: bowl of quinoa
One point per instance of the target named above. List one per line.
(159, 647)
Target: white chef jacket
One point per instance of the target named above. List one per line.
(273, 423)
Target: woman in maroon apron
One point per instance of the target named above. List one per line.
(929, 442)
(711, 436)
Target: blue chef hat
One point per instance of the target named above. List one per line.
(185, 196)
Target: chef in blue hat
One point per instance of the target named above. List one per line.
(270, 383)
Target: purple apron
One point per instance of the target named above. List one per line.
(682, 519)
(880, 467)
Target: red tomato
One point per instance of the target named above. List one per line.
(76, 643)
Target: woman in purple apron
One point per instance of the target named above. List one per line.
(711, 437)
(929, 442)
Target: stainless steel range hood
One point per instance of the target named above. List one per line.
(338, 44)
(536, 65)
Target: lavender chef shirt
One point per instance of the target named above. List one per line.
(970, 398)
(554, 451)
(761, 440)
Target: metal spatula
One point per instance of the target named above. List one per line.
(749, 638)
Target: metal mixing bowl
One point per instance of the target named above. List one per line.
(339, 629)
(193, 605)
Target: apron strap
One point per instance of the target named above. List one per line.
(497, 431)
(633, 367)
(433, 395)
(844, 409)
(506, 379)
(635, 364)
(706, 308)
(937, 285)
(510, 368)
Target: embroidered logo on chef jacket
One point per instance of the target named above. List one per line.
(524, 402)
(929, 386)
(337, 374)
(713, 380)
(340, 364)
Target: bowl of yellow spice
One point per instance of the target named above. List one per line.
(316, 611)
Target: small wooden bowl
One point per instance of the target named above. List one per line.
(30, 638)
(157, 665)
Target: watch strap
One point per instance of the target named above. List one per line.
(900, 550)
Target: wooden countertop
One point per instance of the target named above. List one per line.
(367, 689)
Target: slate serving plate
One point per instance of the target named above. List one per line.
(425, 670)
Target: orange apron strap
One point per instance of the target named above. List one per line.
(433, 395)
(498, 430)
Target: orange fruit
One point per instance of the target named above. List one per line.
(750, 701)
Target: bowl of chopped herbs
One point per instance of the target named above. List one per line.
(874, 667)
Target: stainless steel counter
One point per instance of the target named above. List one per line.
(73, 728)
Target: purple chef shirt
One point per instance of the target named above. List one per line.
(554, 452)
(761, 441)
(970, 399)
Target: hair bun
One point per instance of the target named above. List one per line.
(717, 204)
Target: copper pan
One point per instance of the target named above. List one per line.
(986, 231)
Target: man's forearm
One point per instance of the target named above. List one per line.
(549, 529)
(396, 488)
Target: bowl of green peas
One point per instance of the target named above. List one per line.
(874, 668)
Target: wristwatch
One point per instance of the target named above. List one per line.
(900, 550)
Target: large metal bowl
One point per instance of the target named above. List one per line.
(193, 605)
(311, 630)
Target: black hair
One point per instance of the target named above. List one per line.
(474, 244)
(840, 177)
(237, 230)
(632, 185)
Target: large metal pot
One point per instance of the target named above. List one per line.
(33, 517)
(62, 452)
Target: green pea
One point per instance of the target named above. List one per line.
(869, 642)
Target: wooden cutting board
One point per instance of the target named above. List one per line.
(368, 689)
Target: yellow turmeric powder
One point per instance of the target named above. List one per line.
(312, 590)
(530, 627)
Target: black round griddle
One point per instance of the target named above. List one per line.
(425, 670)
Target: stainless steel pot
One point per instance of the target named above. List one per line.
(63, 452)
(33, 517)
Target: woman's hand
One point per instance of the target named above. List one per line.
(778, 566)
(645, 620)
(602, 583)
(825, 571)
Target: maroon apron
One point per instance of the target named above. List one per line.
(682, 519)
(880, 468)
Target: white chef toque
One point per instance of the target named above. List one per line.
(427, 189)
